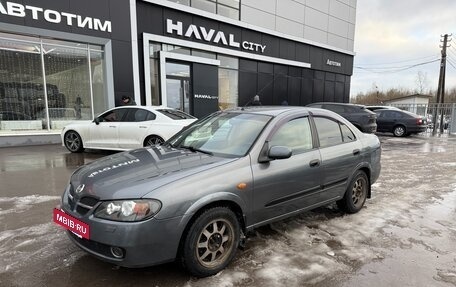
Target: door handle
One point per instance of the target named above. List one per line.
(314, 163)
(112, 126)
(356, 152)
(142, 127)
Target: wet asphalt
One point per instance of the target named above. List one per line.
(405, 235)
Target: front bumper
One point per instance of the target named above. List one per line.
(145, 243)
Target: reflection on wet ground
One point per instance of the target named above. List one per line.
(404, 236)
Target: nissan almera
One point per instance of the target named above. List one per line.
(194, 197)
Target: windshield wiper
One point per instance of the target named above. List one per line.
(194, 149)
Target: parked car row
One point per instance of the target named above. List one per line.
(371, 119)
(125, 128)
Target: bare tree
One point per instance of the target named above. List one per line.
(421, 82)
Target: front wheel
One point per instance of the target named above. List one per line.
(356, 193)
(73, 141)
(153, 140)
(211, 242)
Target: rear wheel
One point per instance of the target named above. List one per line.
(356, 193)
(399, 131)
(73, 141)
(153, 140)
(211, 242)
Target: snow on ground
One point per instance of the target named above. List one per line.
(313, 247)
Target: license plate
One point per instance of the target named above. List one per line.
(76, 226)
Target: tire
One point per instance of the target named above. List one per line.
(73, 142)
(211, 242)
(356, 193)
(153, 140)
(399, 131)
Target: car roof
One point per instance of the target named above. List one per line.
(269, 110)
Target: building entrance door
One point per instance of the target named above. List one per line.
(178, 88)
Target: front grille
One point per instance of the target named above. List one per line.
(83, 204)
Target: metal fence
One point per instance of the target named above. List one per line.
(441, 118)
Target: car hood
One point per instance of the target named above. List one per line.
(135, 173)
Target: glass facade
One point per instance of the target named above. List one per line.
(47, 83)
(227, 8)
(228, 73)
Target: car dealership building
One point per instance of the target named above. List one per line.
(67, 60)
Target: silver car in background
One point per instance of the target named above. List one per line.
(194, 197)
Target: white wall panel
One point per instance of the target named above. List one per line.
(257, 17)
(315, 35)
(316, 19)
(339, 10)
(265, 5)
(289, 27)
(352, 17)
(321, 5)
(337, 41)
(338, 27)
(291, 10)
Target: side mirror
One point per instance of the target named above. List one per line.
(96, 121)
(279, 152)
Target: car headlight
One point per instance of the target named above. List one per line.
(128, 210)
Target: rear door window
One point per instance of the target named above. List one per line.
(329, 132)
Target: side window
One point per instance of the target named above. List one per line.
(347, 134)
(113, 115)
(328, 132)
(294, 134)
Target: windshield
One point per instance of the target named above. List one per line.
(224, 134)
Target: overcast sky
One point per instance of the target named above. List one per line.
(393, 35)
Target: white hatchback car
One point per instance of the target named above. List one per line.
(124, 128)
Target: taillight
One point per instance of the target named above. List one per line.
(419, 121)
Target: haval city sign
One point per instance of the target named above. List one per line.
(210, 35)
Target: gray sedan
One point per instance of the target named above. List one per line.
(194, 197)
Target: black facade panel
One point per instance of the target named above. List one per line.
(265, 68)
(149, 20)
(339, 92)
(306, 91)
(349, 65)
(230, 29)
(280, 69)
(319, 75)
(330, 76)
(347, 92)
(248, 65)
(251, 36)
(333, 61)
(280, 89)
(294, 71)
(61, 6)
(96, 9)
(307, 73)
(247, 87)
(316, 58)
(294, 91)
(287, 49)
(302, 53)
(329, 91)
(272, 45)
(340, 78)
(265, 88)
(318, 90)
(175, 16)
(122, 67)
(118, 15)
